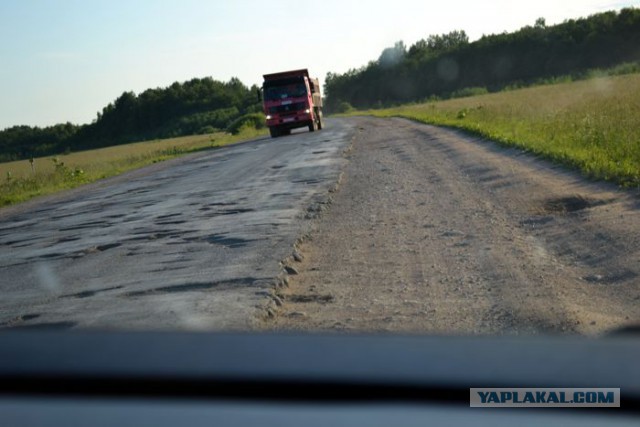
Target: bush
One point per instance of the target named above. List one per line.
(625, 68)
(344, 107)
(253, 120)
(469, 91)
(207, 130)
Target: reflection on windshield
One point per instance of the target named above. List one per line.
(288, 91)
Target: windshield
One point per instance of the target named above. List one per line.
(466, 169)
(276, 92)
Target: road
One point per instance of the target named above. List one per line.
(433, 231)
(192, 243)
(429, 231)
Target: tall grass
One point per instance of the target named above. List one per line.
(23, 180)
(592, 125)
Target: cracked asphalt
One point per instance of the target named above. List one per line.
(192, 243)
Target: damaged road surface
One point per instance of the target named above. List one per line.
(192, 243)
(434, 231)
(430, 231)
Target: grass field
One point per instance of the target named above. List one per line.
(20, 180)
(592, 125)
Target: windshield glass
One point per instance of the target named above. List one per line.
(296, 90)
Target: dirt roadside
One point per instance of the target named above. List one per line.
(433, 231)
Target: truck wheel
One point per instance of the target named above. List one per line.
(318, 114)
(274, 132)
(313, 126)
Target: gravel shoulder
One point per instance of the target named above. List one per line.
(434, 231)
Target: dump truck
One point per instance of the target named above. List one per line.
(291, 99)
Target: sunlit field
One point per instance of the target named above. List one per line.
(592, 125)
(23, 180)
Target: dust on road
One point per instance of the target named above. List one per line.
(434, 231)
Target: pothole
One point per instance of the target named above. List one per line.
(569, 204)
(106, 247)
(191, 287)
(322, 299)
(90, 293)
(232, 242)
(612, 278)
(48, 325)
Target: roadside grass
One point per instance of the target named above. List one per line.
(21, 180)
(592, 125)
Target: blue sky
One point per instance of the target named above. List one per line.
(63, 60)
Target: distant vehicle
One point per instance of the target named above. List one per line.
(291, 100)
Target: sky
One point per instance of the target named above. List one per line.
(64, 60)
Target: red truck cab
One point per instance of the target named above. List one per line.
(291, 99)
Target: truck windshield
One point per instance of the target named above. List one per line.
(295, 90)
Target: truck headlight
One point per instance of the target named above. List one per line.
(268, 117)
(307, 111)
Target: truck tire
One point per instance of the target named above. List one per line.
(274, 132)
(320, 122)
(313, 126)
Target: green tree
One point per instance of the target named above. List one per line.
(392, 55)
(446, 64)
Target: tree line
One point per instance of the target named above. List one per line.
(438, 66)
(197, 106)
(443, 65)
